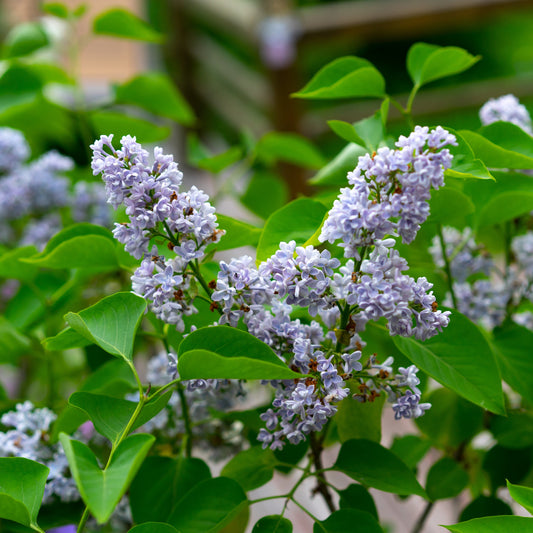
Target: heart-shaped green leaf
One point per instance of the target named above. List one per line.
(101, 490)
(274, 523)
(121, 23)
(348, 521)
(446, 479)
(251, 468)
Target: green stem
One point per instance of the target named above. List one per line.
(447, 267)
(290, 495)
(266, 498)
(186, 420)
(83, 520)
(169, 385)
(308, 513)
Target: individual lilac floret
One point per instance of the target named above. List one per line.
(507, 109)
(14, 150)
(409, 406)
(390, 191)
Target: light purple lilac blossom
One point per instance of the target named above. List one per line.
(507, 109)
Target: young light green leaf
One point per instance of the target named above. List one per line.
(465, 165)
(24, 39)
(522, 495)
(156, 93)
(449, 204)
(101, 490)
(446, 479)
(346, 131)
(14, 266)
(345, 77)
(238, 233)
(290, 148)
(502, 145)
(372, 130)
(121, 23)
(169, 480)
(111, 323)
(110, 416)
(334, 173)
(296, 221)
(348, 521)
(273, 523)
(65, 340)
(375, 466)
(265, 193)
(229, 353)
(428, 62)
(494, 524)
(459, 358)
(251, 468)
(21, 489)
(57, 9)
(209, 506)
(217, 163)
(123, 124)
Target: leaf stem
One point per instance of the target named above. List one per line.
(417, 528)
(316, 451)
(186, 420)
(447, 267)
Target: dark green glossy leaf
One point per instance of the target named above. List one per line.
(345, 77)
(494, 524)
(453, 420)
(274, 523)
(348, 521)
(111, 323)
(265, 194)
(153, 527)
(514, 430)
(334, 173)
(156, 93)
(122, 124)
(228, 353)
(101, 490)
(411, 448)
(375, 466)
(21, 489)
(461, 359)
(251, 468)
(446, 479)
(357, 497)
(169, 480)
(484, 506)
(209, 506)
(522, 495)
(506, 465)
(121, 23)
(24, 39)
(290, 148)
(429, 62)
(296, 221)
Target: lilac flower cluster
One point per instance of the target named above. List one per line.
(507, 109)
(29, 438)
(390, 191)
(31, 193)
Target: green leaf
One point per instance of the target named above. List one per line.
(449, 204)
(345, 77)
(428, 62)
(156, 93)
(522, 495)
(514, 430)
(237, 233)
(153, 527)
(453, 420)
(511, 346)
(56, 9)
(169, 480)
(346, 131)
(348, 521)
(459, 358)
(24, 39)
(65, 340)
(290, 148)
(375, 466)
(296, 221)
(21, 489)
(273, 523)
(19, 85)
(120, 124)
(505, 464)
(228, 353)
(372, 130)
(494, 524)
(334, 173)
(484, 506)
(111, 323)
(101, 490)
(502, 145)
(13, 342)
(217, 163)
(209, 506)
(368, 416)
(265, 194)
(446, 479)
(465, 165)
(13, 266)
(411, 448)
(355, 496)
(110, 416)
(121, 23)
(251, 468)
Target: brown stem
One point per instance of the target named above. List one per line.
(417, 528)
(316, 451)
